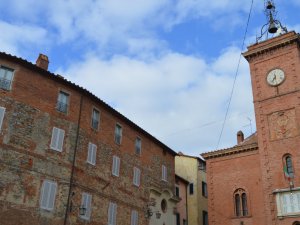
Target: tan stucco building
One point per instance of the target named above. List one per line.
(193, 169)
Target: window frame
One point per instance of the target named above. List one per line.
(204, 217)
(118, 135)
(98, 119)
(54, 146)
(164, 173)
(49, 202)
(116, 166)
(191, 188)
(10, 81)
(177, 191)
(134, 217)
(86, 202)
(136, 176)
(112, 214)
(241, 205)
(204, 189)
(59, 103)
(138, 146)
(92, 154)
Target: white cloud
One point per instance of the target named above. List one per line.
(179, 99)
(16, 38)
(116, 22)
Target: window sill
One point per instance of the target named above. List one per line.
(241, 217)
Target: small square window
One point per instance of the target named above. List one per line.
(138, 146)
(118, 134)
(62, 102)
(95, 119)
(6, 77)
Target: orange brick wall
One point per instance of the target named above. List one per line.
(26, 158)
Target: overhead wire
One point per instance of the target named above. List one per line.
(235, 76)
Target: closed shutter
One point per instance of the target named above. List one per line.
(2, 112)
(86, 203)
(92, 149)
(48, 193)
(134, 217)
(57, 139)
(112, 214)
(116, 166)
(136, 176)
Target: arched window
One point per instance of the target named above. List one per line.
(240, 203)
(288, 167)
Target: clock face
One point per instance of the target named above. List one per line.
(275, 77)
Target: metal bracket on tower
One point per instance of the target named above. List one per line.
(273, 26)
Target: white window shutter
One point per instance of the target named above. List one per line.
(112, 214)
(134, 217)
(57, 139)
(61, 139)
(48, 194)
(86, 202)
(116, 166)
(2, 112)
(136, 176)
(94, 154)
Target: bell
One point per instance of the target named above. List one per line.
(272, 28)
(270, 5)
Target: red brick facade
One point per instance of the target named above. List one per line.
(27, 160)
(255, 167)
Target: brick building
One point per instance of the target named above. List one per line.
(257, 181)
(181, 191)
(66, 157)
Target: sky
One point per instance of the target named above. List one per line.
(167, 65)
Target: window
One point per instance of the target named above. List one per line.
(191, 188)
(184, 222)
(205, 218)
(92, 150)
(164, 205)
(134, 217)
(2, 112)
(48, 193)
(95, 119)
(86, 202)
(62, 102)
(177, 191)
(240, 200)
(202, 166)
(138, 146)
(204, 189)
(6, 77)
(116, 166)
(112, 214)
(164, 174)
(288, 167)
(118, 134)
(136, 176)
(177, 219)
(57, 139)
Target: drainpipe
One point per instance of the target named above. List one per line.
(73, 163)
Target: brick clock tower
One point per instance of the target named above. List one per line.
(275, 75)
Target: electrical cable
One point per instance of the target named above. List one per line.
(236, 73)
